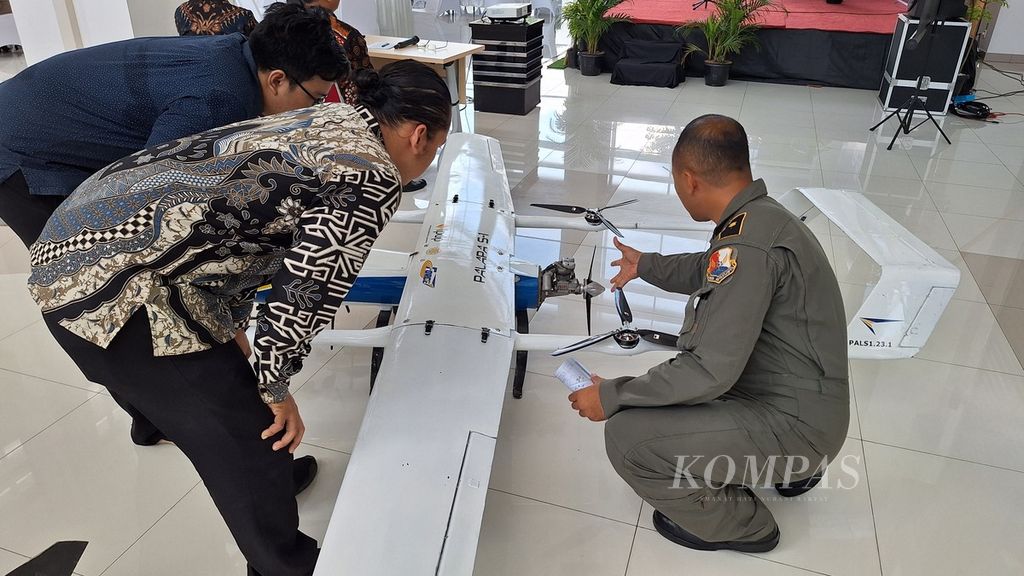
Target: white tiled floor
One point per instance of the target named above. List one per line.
(936, 442)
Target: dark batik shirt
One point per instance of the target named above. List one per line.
(212, 18)
(189, 229)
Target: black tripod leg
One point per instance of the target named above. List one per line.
(937, 127)
(886, 119)
(523, 327)
(905, 120)
(383, 318)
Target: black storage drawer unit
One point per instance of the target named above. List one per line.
(506, 75)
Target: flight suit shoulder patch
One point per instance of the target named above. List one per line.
(734, 227)
(721, 265)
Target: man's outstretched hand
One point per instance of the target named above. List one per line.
(627, 265)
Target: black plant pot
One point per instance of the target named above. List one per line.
(572, 58)
(590, 64)
(716, 74)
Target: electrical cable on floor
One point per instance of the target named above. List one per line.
(1019, 77)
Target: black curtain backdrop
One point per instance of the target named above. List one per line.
(846, 59)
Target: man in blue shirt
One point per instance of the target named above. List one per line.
(67, 117)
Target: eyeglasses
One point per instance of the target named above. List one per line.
(316, 101)
(432, 45)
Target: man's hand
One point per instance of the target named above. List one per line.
(286, 417)
(243, 342)
(627, 265)
(587, 401)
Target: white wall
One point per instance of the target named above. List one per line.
(1007, 37)
(46, 27)
(361, 14)
(153, 17)
(103, 21)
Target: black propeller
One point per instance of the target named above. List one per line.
(587, 296)
(622, 307)
(590, 215)
(625, 336)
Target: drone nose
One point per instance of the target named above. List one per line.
(593, 289)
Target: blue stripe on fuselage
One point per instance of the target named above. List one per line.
(527, 292)
(387, 290)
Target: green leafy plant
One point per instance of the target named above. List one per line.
(586, 21)
(978, 10)
(730, 27)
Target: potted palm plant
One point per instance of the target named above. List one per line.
(730, 27)
(586, 23)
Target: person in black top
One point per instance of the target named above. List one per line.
(105, 102)
(212, 18)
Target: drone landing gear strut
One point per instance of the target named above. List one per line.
(383, 319)
(523, 327)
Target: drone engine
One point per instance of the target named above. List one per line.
(559, 279)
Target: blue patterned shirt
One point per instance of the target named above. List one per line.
(189, 229)
(70, 115)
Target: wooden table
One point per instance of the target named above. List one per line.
(451, 62)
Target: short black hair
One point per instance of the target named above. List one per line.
(300, 42)
(713, 147)
(406, 90)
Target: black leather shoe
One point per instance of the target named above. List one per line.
(415, 185)
(303, 472)
(146, 436)
(794, 489)
(671, 531)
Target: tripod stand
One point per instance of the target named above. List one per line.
(917, 101)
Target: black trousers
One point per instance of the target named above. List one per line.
(207, 404)
(27, 214)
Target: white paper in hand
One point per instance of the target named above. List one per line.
(573, 375)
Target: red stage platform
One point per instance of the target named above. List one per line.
(864, 16)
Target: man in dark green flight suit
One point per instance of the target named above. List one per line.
(759, 392)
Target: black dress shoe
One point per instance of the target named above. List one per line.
(798, 488)
(671, 531)
(146, 435)
(303, 471)
(415, 185)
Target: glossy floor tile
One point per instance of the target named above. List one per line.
(83, 479)
(1011, 320)
(333, 401)
(991, 236)
(33, 351)
(34, 406)
(21, 310)
(523, 536)
(941, 409)
(977, 201)
(968, 335)
(940, 516)
(195, 525)
(549, 448)
(1001, 280)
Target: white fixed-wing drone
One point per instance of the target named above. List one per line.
(413, 496)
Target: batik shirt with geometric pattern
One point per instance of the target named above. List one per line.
(189, 229)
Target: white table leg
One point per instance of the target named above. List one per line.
(453, 71)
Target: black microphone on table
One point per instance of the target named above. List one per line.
(407, 43)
